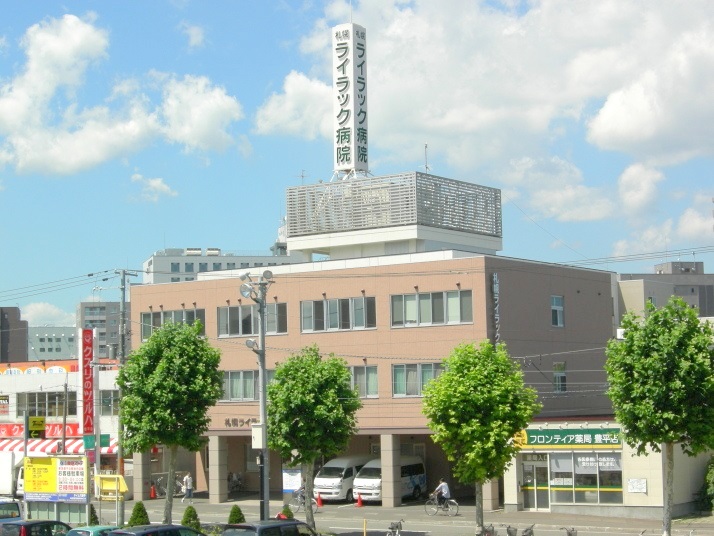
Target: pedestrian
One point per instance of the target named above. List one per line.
(188, 488)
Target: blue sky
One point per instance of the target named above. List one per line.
(129, 127)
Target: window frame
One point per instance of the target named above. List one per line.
(338, 314)
(414, 387)
(557, 311)
(356, 383)
(439, 308)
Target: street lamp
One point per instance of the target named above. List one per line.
(257, 291)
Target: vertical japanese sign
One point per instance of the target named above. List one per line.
(349, 86)
(495, 286)
(87, 381)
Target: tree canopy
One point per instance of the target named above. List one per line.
(311, 410)
(168, 384)
(475, 408)
(661, 377)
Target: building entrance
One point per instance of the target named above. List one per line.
(535, 482)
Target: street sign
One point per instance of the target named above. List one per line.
(90, 441)
(36, 427)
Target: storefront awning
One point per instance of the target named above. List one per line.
(49, 446)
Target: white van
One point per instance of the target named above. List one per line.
(368, 483)
(334, 480)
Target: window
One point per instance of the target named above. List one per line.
(432, 308)
(231, 265)
(154, 320)
(338, 314)
(409, 380)
(559, 385)
(50, 404)
(202, 266)
(217, 266)
(175, 267)
(589, 478)
(110, 402)
(364, 379)
(175, 279)
(243, 319)
(42, 339)
(239, 385)
(556, 311)
(188, 267)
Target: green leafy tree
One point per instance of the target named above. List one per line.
(168, 385)
(190, 518)
(236, 515)
(139, 516)
(311, 411)
(93, 518)
(475, 409)
(661, 378)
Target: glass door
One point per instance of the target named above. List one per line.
(535, 485)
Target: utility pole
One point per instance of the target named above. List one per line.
(122, 361)
(257, 291)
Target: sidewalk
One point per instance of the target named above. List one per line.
(414, 512)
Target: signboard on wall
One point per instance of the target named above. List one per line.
(570, 439)
(87, 381)
(57, 479)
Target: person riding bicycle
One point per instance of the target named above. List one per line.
(442, 492)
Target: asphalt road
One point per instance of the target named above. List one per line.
(349, 520)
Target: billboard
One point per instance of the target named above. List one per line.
(349, 87)
(57, 479)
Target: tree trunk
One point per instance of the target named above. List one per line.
(170, 485)
(309, 472)
(479, 504)
(668, 489)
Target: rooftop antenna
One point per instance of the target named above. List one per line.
(302, 177)
(426, 158)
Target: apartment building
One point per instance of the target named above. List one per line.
(13, 335)
(105, 318)
(51, 343)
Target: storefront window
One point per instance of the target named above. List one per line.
(610, 475)
(586, 478)
(561, 478)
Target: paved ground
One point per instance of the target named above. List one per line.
(346, 519)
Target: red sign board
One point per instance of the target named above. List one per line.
(87, 381)
(52, 430)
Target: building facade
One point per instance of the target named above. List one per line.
(13, 335)
(105, 318)
(51, 343)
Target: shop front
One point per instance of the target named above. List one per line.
(566, 468)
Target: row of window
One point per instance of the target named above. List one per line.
(188, 267)
(420, 309)
(407, 380)
(54, 339)
(52, 403)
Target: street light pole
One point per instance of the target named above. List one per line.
(257, 291)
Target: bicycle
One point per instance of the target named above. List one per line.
(528, 531)
(298, 502)
(449, 506)
(571, 531)
(235, 483)
(395, 528)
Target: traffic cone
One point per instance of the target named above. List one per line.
(152, 492)
(359, 501)
(319, 501)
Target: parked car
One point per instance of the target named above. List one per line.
(92, 530)
(334, 480)
(10, 511)
(155, 530)
(34, 527)
(270, 527)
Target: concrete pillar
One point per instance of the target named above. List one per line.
(217, 469)
(391, 470)
(490, 495)
(142, 475)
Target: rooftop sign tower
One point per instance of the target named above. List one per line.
(349, 87)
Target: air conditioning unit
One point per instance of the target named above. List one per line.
(193, 251)
(213, 251)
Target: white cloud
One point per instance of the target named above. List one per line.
(694, 224)
(197, 114)
(303, 109)
(44, 129)
(653, 238)
(554, 189)
(194, 33)
(638, 187)
(46, 314)
(153, 189)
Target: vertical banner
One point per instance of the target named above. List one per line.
(349, 87)
(87, 381)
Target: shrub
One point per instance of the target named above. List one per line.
(139, 515)
(93, 519)
(190, 519)
(236, 515)
(705, 497)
